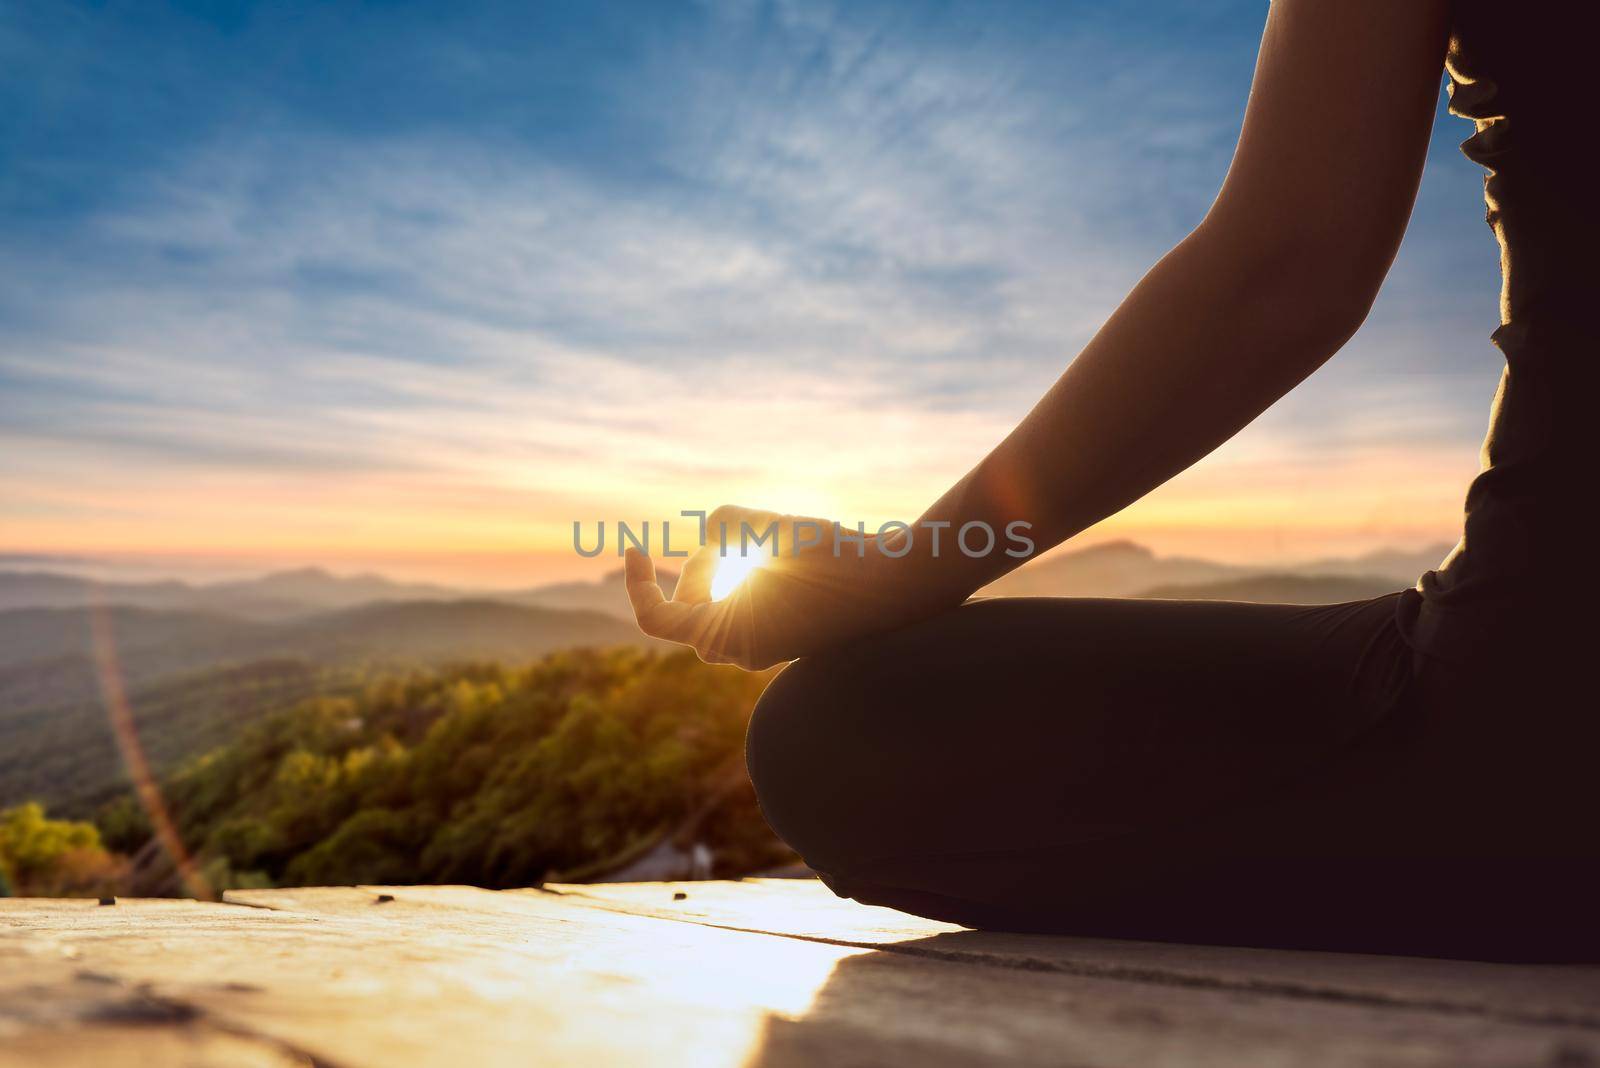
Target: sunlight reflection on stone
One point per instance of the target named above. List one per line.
(715, 998)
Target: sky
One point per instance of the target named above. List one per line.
(419, 285)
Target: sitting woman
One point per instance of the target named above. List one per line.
(1406, 774)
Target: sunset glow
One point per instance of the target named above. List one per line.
(428, 337)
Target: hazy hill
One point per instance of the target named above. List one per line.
(278, 596)
(608, 594)
(1125, 569)
(39, 589)
(45, 589)
(284, 595)
(1404, 564)
(460, 630)
(314, 588)
(1281, 589)
(28, 634)
(56, 642)
(44, 560)
(66, 755)
(50, 699)
(1114, 569)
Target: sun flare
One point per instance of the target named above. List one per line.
(732, 570)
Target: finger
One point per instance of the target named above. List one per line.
(694, 582)
(644, 592)
(639, 576)
(658, 617)
(672, 621)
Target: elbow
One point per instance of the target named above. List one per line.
(1334, 286)
(1329, 309)
(1312, 291)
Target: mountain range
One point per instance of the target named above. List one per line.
(303, 592)
(1111, 569)
(1126, 569)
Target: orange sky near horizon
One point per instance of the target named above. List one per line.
(1251, 502)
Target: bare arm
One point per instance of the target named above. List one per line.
(1276, 278)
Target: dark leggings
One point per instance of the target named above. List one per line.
(1247, 774)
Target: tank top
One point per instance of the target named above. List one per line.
(1522, 73)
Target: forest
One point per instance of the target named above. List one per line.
(478, 773)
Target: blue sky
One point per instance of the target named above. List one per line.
(348, 278)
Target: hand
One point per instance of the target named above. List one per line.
(794, 604)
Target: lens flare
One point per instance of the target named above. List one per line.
(108, 668)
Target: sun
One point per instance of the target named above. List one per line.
(732, 570)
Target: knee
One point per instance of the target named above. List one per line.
(781, 734)
(790, 750)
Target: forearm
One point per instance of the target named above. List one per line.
(1215, 333)
(1281, 273)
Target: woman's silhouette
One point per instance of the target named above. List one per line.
(1411, 773)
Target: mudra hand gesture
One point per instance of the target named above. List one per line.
(812, 587)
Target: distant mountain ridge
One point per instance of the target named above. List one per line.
(1109, 569)
(303, 592)
(277, 596)
(1280, 589)
(438, 631)
(322, 589)
(1127, 569)
(608, 594)
(149, 643)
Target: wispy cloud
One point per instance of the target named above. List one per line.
(491, 272)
